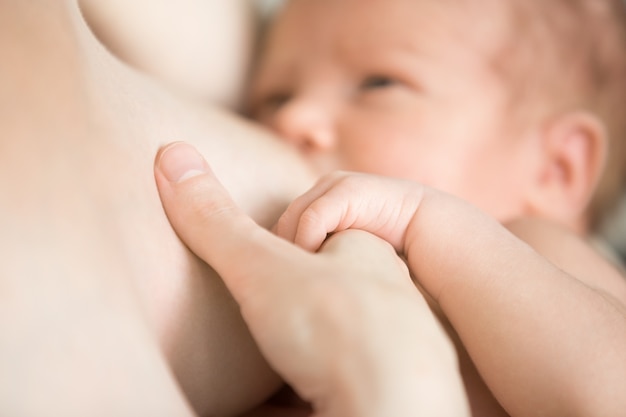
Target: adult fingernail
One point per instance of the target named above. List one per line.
(180, 161)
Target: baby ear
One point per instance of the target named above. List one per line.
(574, 148)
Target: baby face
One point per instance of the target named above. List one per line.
(402, 88)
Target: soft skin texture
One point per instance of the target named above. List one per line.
(180, 43)
(544, 335)
(409, 89)
(103, 310)
(345, 327)
(356, 87)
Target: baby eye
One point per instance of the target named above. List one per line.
(377, 81)
(270, 104)
(276, 101)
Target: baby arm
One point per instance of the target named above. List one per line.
(532, 329)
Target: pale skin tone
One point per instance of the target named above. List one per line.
(179, 43)
(373, 94)
(477, 271)
(104, 310)
(514, 310)
(87, 129)
(300, 306)
(384, 90)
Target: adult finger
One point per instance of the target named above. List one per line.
(209, 222)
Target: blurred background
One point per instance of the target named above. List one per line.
(615, 230)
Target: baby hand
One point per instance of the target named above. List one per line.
(341, 200)
(344, 327)
(438, 235)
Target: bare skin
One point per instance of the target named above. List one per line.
(93, 272)
(180, 43)
(372, 94)
(487, 270)
(510, 306)
(345, 327)
(81, 130)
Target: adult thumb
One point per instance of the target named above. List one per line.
(208, 221)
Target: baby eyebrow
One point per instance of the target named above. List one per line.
(378, 81)
(265, 102)
(275, 99)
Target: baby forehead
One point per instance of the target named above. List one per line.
(400, 9)
(480, 20)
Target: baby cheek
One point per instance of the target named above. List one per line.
(381, 162)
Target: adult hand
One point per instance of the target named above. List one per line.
(345, 327)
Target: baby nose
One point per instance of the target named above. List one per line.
(307, 125)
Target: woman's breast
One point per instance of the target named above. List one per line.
(194, 319)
